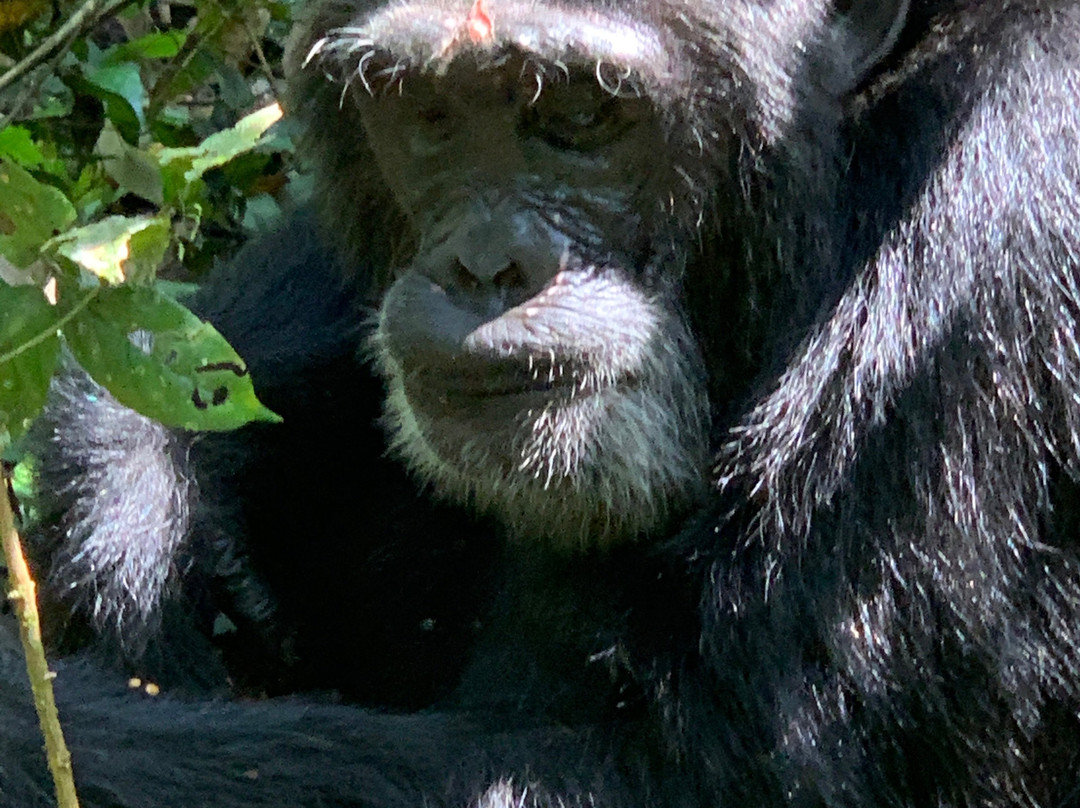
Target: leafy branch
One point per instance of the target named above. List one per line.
(131, 144)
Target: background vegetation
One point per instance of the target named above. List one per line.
(134, 154)
(139, 145)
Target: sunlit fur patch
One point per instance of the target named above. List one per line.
(506, 793)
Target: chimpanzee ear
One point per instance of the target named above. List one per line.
(868, 30)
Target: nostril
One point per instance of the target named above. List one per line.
(512, 277)
(464, 280)
(485, 292)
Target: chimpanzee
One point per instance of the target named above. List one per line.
(681, 408)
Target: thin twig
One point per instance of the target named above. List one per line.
(84, 17)
(260, 56)
(23, 595)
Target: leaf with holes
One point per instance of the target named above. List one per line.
(157, 357)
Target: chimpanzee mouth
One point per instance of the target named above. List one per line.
(472, 376)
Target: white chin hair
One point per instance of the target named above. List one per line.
(580, 472)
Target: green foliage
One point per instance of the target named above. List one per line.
(127, 157)
(29, 347)
(174, 367)
(30, 213)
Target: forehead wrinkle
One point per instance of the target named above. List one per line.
(428, 36)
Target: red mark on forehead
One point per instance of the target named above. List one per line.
(478, 24)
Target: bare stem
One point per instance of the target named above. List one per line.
(83, 17)
(22, 591)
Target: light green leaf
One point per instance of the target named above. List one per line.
(31, 213)
(157, 357)
(155, 45)
(16, 143)
(118, 248)
(183, 166)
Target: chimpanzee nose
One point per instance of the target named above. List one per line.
(490, 288)
(508, 279)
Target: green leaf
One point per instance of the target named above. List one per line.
(22, 479)
(117, 248)
(157, 357)
(118, 109)
(133, 170)
(31, 213)
(29, 347)
(123, 81)
(183, 166)
(155, 45)
(16, 143)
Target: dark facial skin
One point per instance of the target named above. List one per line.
(534, 361)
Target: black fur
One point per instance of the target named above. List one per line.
(879, 602)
